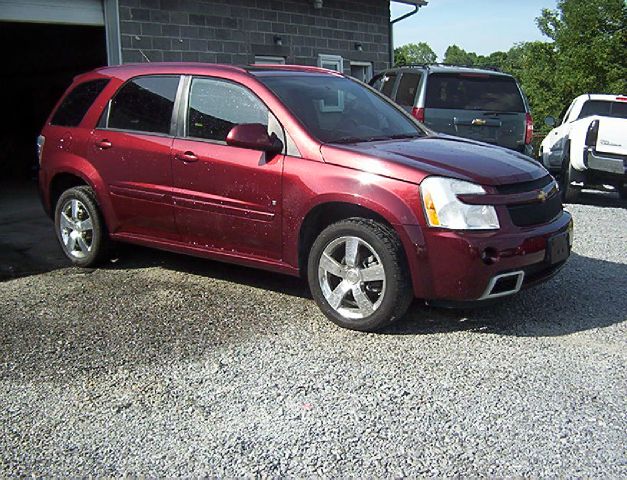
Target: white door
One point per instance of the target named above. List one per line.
(73, 12)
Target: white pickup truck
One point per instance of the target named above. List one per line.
(589, 147)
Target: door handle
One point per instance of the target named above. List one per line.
(186, 157)
(104, 144)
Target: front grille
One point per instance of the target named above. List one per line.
(535, 213)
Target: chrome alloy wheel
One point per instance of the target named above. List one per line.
(352, 277)
(76, 228)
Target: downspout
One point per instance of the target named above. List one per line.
(392, 22)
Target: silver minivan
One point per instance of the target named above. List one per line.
(480, 104)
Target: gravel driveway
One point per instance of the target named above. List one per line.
(164, 365)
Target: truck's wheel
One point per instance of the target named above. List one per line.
(568, 192)
(358, 274)
(80, 227)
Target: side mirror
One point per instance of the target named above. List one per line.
(254, 136)
(549, 121)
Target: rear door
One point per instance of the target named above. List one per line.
(131, 149)
(484, 107)
(226, 198)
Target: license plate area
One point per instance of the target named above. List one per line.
(558, 248)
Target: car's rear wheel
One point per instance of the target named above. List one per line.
(80, 228)
(358, 274)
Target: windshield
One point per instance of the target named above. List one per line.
(339, 110)
(469, 91)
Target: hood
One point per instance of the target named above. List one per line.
(414, 159)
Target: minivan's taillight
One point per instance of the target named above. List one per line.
(40, 146)
(592, 134)
(528, 129)
(418, 114)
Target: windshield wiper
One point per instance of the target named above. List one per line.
(375, 138)
(405, 135)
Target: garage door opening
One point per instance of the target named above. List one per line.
(39, 63)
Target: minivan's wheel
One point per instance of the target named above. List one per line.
(80, 228)
(358, 274)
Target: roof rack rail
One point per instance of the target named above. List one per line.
(441, 64)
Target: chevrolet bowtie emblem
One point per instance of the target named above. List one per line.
(541, 196)
(479, 121)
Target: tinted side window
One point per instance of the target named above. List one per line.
(473, 92)
(388, 84)
(216, 106)
(76, 103)
(406, 92)
(144, 104)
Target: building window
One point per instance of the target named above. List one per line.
(331, 62)
(268, 60)
(361, 71)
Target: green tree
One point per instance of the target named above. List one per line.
(455, 55)
(412, 53)
(590, 40)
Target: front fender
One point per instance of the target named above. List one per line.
(398, 202)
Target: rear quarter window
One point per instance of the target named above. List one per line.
(473, 92)
(407, 88)
(388, 84)
(76, 103)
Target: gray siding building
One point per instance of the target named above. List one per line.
(45, 43)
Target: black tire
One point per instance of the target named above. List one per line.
(96, 238)
(622, 192)
(397, 294)
(569, 193)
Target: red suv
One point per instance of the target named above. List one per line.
(301, 171)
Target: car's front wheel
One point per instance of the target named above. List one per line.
(358, 274)
(80, 227)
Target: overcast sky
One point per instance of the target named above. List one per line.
(481, 26)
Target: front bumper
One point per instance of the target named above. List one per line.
(466, 266)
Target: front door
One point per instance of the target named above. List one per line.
(131, 149)
(226, 198)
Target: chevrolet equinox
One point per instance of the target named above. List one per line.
(301, 171)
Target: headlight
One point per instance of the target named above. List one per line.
(444, 210)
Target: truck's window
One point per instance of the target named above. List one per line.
(76, 103)
(407, 87)
(603, 108)
(388, 84)
(470, 91)
(144, 104)
(216, 106)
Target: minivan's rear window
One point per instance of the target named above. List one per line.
(76, 103)
(473, 92)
